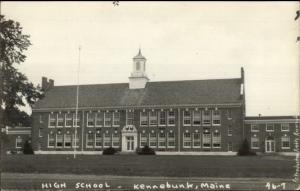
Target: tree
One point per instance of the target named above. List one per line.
(15, 89)
(27, 148)
(244, 149)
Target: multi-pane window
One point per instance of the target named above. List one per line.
(144, 118)
(285, 127)
(116, 119)
(197, 118)
(171, 118)
(196, 140)
(115, 140)
(98, 140)
(60, 120)
(171, 139)
(51, 140)
(153, 140)
(230, 146)
(129, 117)
(99, 119)
(187, 140)
(59, 140)
(254, 143)
(74, 120)
(90, 118)
(89, 140)
(270, 127)
(216, 117)
(229, 131)
(187, 118)
(107, 140)
(216, 140)
(67, 140)
(18, 142)
(153, 118)
(254, 128)
(75, 141)
(52, 120)
(206, 140)
(68, 121)
(162, 118)
(162, 140)
(206, 117)
(143, 140)
(285, 142)
(107, 119)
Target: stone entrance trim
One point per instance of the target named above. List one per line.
(129, 136)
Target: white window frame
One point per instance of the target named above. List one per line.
(142, 139)
(216, 117)
(65, 137)
(267, 130)
(151, 140)
(127, 117)
(199, 140)
(159, 118)
(68, 119)
(107, 140)
(111, 120)
(115, 139)
(254, 130)
(216, 140)
(19, 140)
(101, 114)
(74, 120)
(252, 141)
(53, 141)
(171, 117)
(162, 139)
(88, 140)
(228, 146)
(90, 116)
(200, 115)
(187, 140)
(97, 140)
(170, 139)
(289, 139)
(288, 127)
(56, 141)
(153, 117)
(229, 131)
(53, 119)
(144, 118)
(187, 117)
(210, 140)
(116, 119)
(57, 121)
(205, 118)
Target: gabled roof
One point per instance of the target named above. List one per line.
(165, 93)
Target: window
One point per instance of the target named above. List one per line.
(206, 139)
(285, 127)
(67, 141)
(254, 143)
(68, 120)
(197, 118)
(254, 128)
(98, 140)
(89, 140)
(187, 118)
(75, 140)
(138, 66)
(196, 140)
(229, 130)
(171, 118)
(129, 117)
(153, 118)
(216, 140)
(52, 120)
(285, 142)
(59, 141)
(229, 114)
(60, 120)
(99, 119)
(115, 140)
(41, 118)
(153, 140)
(162, 140)
(216, 117)
(74, 120)
(162, 118)
(143, 140)
(206, 117)
(270, 127)
(107, 119)
(144, 118)
(107, 140)
(171, 140)
(90, 118)
(116, 119)
(230, 146)
(19, 142)
(51, 140)
(187, 140)
(40, 132)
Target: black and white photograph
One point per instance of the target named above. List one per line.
(136, 95)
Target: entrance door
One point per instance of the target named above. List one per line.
(270, 146)
(130, 143)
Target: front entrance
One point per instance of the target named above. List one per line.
(270, 146)
(130, 143)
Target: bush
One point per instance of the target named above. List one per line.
(145, 151)
(244, 150)
(109, 151)
(27, 149)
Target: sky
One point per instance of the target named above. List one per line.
(181, 41)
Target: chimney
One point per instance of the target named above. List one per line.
(44, 83)
(242, 74)
(51, 83)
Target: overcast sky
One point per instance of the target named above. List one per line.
(181, 41)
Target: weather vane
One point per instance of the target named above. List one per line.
(116, 3)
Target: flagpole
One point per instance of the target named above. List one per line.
(76, 109)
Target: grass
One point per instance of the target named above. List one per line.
(137, 165)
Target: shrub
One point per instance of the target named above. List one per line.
(146, 150)
(244, 149)
(109, 151)
(27, 149)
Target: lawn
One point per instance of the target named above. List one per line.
(137, 165)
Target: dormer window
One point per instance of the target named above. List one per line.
(138, 66)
